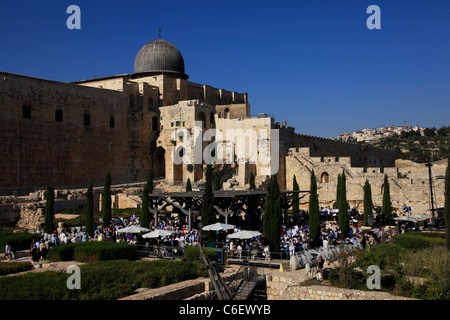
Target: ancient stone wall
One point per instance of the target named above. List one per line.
(68, 135)
(412, 188)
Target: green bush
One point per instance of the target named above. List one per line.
(385, 255)
(417, 241)
(100, 280)
(14, 267)
(193, 254)
(92, 251)
(18, 241)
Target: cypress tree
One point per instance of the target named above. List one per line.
(314, 220)
(208, 214)
(145, 212)
(150, 181)
(251, 182)
(368, 204)
(295, 200)
(49, 208)
(89, 211)
(188, 201)
(447, 199)
(252, 203)
(149, 200)
(343, 213)
(188, 185)
(338, 190)
(272, 215)
(217, 184)
(387, 208)
(106, 200)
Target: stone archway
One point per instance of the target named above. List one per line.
(159, 163)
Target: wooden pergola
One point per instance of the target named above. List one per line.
(226, 202)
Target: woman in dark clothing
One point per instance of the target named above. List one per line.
(35, 254)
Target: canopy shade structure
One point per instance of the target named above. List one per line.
(157, 233)
(244, 234)
(218, 226)
(133, 229)
(419, 216)
(405, 219)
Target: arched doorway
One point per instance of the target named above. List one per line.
(159, 163)
(202, 117)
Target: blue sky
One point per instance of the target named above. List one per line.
(312, 63)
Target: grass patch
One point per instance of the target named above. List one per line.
(101, 280)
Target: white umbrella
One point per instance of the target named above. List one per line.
(218, 226)
(133, 229)
(244, 234)
(157, 233)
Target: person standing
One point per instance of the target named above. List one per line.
(9, 252)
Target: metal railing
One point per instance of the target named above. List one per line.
(161, 251)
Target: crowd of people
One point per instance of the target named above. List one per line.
(294, 236)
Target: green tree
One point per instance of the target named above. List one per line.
(217, 184)
(150, 181)
(272, 215)
(89, 211)
(314, 220)
(145, 212)
(295, 200)
(447, 199)
(106, 200)
(251, 215)
(208, 213)
(188, 185)
(368, 204)
(387, 205)
(338, 190)
(188, 201)
(49, 208)
(342, 206)
(251, 182)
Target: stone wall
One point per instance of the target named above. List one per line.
(287, 286)
(410, 188)
(37, 149)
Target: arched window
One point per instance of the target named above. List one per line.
(324, 178)
(226, 113)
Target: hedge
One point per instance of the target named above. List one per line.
(101, 280)
(193, 254)
(417, 241)
(92, 251)
(18, 240)
(14, 267)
